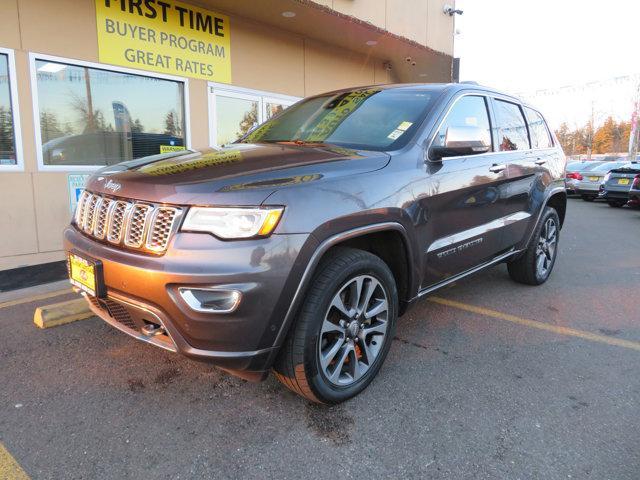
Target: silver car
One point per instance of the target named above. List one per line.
(589, 187)
(575, 172)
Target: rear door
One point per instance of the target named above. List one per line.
(524, 167)
(464, 200)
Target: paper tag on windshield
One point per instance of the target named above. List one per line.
(395, 134)
(404, 126)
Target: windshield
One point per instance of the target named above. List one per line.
(368, 119)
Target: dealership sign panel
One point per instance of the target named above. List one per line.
(165, 36)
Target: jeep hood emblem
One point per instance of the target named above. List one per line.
(113, 186)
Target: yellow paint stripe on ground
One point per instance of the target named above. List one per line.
(572, 332)
(9, 468)
(35, 298)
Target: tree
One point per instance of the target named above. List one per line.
(249, 120)
(49, 127)
(137, 126)
(7, 149)
(172, 124)
(611, 137)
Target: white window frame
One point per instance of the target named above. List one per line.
(261, 96)
(101, 66)
(15, 113)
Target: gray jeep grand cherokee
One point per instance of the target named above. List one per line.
(296, 248)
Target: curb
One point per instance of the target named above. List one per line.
(62, 313)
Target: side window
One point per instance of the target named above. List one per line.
(468, 111)
(511, 127)
(540, 137)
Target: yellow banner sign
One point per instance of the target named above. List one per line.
(165, 36)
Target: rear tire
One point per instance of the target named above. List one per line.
(342, 333)
(534, 266)
(616, 204)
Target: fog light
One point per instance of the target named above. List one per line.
(211, 300)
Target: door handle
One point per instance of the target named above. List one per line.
(540, 161)
(497, 168)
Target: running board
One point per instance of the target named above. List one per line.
(466, 273)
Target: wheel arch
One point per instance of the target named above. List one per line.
(369, 236)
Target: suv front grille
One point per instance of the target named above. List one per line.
(137, 225)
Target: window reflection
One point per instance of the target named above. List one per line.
(90, 116)
(512, 130)
(469, 111)
(7, 138)
(234, 117)
(540, 137)
(274, 109)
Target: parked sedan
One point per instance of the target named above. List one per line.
(589, 187)
(575, 172)
(617, 184)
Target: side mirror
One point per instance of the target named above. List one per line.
(462, 140)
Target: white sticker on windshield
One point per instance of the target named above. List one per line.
(395, 134)
(404, 126)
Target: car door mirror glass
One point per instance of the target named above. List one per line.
(462, 140)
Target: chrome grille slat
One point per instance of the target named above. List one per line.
(162, 223)
(117, 221)
(136, 225)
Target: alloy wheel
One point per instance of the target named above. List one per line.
(546, 249)
(353, 331)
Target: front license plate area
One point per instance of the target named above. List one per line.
(86, 274)
(623, 181)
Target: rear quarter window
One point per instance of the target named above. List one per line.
(540, 136)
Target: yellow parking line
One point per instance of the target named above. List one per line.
(572, 332)
(34, 298)
(9, 468)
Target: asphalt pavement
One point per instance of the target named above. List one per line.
(491, 380)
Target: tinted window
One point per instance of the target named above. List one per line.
(540, 137)
(468, 111)
(90, 116)
(512, 130)
(7, 141)
(371, 119)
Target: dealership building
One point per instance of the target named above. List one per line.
(88, 83)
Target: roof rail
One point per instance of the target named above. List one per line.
(470, 82)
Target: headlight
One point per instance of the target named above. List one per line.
(233, 222)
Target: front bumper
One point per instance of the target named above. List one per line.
(144, 289)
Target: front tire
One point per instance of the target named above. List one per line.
(344, 329)
(534, 266)
(588, 198)
(613, 204)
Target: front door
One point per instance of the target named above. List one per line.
(464, 203)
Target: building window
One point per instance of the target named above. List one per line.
(92, 117)
(10, 145)
(237, 110)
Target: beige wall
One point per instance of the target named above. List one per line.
(35, 204)
(422, 21)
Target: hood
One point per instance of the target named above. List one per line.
(241, 174)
